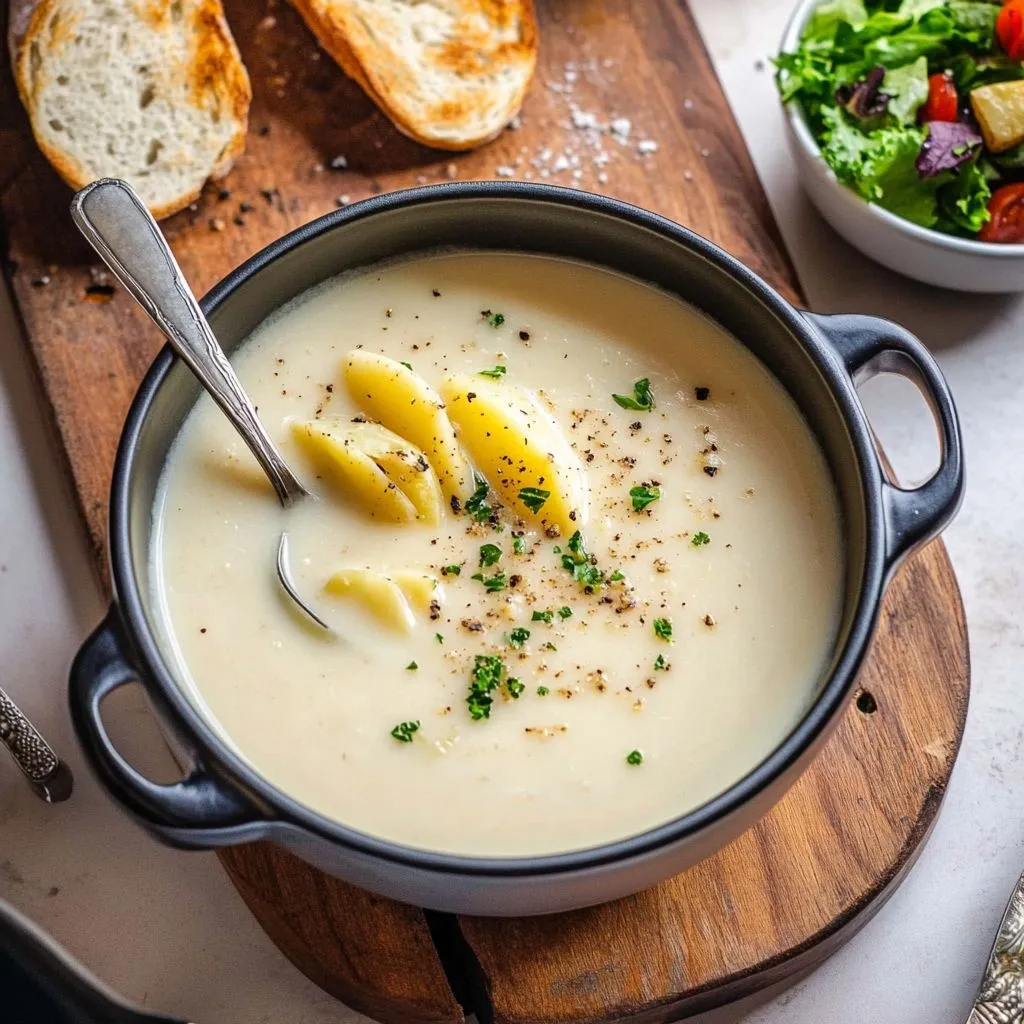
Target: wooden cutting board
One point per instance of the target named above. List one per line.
(787, 893)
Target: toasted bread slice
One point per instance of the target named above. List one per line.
(449, 73)
(154, 92)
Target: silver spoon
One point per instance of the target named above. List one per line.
(116, 223)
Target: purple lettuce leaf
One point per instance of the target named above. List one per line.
(863, 99)
(946, 146)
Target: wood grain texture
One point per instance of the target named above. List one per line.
(375, 955)
(784, 895)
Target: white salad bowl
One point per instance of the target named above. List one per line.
(960, 264)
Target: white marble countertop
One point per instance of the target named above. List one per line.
(167, 930)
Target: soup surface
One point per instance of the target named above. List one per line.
(580, 551)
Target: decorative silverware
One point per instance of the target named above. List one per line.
(116, 223)
(1001, 998)
(48, 776)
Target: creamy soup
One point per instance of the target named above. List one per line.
(579, 551)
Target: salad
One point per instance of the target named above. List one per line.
(918, 106)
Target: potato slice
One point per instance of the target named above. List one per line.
(421, 590)
(378, 470)
(516, 443)
(392, 394)
(999, 109)
(381, 596)
(415, 477)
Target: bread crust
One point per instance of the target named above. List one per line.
(347, 41)
(216, 63)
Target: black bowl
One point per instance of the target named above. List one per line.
(818, 359)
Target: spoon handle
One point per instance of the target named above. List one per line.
(45, 772)
(117, 224)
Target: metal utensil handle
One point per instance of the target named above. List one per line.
(117, 224)
(32, 754)
(999, 999)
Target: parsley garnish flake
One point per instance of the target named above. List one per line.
(642, 399)
(403, 732)
(490, 554)
(518, 637)
(485, 678)
(534, 498)
(643, 496)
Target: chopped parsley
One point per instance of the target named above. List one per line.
(663, 629)
(617, 576)
(577, 548)
(534, 498)
(634, 757)
(486, 676)
(439, 637)
(578, 561)
(515, 688)
(403, 732)
(660, 664)
(700, 538)
(642, 400)
(408, 366)
(498, 371)
(518, 545)
(543, 616)
(491, 583)
(542, 691)
(565, 612)
(451, 570)
(490, 554)
(518, 637)
(476, 505)
(494, 319)
(412, 666)
(643, 496)
(549, 646)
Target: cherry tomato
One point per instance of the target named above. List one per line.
(1010, 29)
(1006, 208)
(942, 103)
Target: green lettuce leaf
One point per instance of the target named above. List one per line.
(975, 21)
(907, 88)
(829, 16)
(915, 8)
(963, 202)
(880, 166)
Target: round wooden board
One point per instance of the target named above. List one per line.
(768, 907)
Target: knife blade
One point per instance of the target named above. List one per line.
(1001, 997)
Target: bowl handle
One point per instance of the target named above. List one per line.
(200, 811)
(869, 346)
